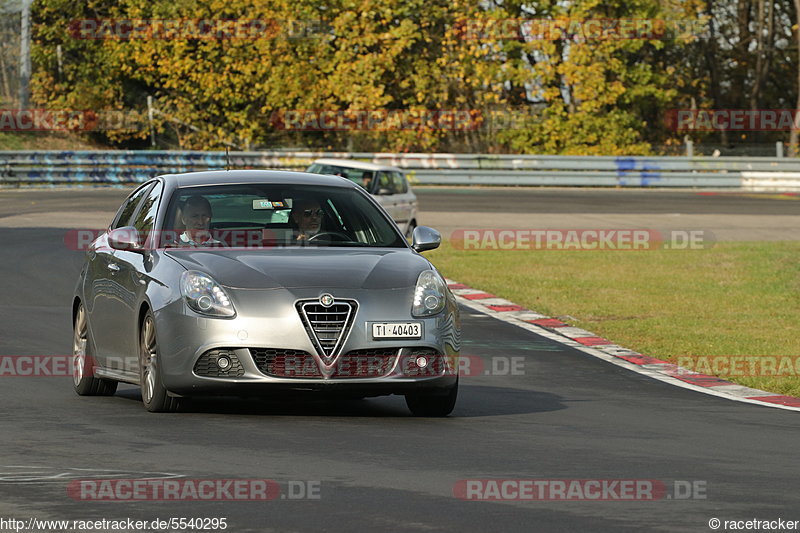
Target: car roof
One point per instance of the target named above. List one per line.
(225, 177)
(363, 165)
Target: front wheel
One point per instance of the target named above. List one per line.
(432, 404)
(83, 363)
(154, 396)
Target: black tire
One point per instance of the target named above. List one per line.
(83, 362)
(432, 404)
(155, 397)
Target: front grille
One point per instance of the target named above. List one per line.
(285, 363)
(207, 366)
(368, 363)
(327, 327)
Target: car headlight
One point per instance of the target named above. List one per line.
(429, 295)
(204, 295)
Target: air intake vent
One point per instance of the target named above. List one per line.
(285, 363)
(208, 365)
(369, 363)
(327, 326)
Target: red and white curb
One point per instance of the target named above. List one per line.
(596, 346)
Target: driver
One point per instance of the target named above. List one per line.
(306, 217)
(196, 218)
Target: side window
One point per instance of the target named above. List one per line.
(400, 183)
(127, 210)
(146, 218)
(385, 182)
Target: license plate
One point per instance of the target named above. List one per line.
(397, 330)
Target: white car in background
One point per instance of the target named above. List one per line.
(386, 183)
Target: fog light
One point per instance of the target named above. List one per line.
(223, 363)
(422, 362)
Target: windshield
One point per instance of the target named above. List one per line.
(257, 215)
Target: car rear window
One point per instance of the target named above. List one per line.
(356, 175)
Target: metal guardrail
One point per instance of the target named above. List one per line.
(127, 167)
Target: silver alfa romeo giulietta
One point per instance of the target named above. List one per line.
(248, 283)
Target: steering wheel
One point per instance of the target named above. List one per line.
(334, 233)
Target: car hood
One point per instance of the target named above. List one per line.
(286, 268)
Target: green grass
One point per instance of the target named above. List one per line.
(735, 299)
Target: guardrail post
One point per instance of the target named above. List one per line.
(689, 148)
(779, 149)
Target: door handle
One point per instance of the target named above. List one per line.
(113, 267)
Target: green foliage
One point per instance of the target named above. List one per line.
(576, 96)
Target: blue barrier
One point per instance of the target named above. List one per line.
(120, 167)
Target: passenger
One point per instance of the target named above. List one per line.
(366, 180)
(196, 217)
(306, 218)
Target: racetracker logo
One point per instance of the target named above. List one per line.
(36, 366)
(377, 119)
(740, 365)
(365, 365)
(733, 119)
(70, 120)
(577, 490)
(45, 120)
(191, 490)
(581, 239)
(82, 239)
(197, 29)
(462, 365)
(579, 30)
(402, 119)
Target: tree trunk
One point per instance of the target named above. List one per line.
(755, 91)
(4, 73)
(713, 61)
(793, 152)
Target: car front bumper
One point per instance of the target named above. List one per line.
(269, 320)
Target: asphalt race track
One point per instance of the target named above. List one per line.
(566, 416)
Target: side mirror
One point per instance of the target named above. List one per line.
(126, 239)
(425, 238)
